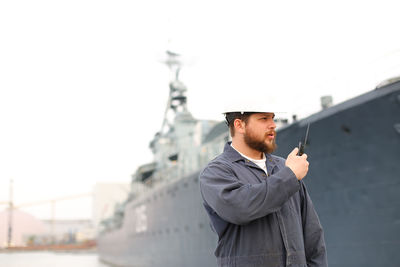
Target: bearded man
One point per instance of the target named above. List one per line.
(257, 203)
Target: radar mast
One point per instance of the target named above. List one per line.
(177, 92)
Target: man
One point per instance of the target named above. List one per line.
(257, 203)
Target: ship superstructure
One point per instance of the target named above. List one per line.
(169, 184)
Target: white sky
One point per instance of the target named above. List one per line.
(82, 91)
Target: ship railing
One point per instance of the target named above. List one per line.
(159, 178)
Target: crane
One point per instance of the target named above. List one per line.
(52, 201)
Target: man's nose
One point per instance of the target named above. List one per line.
(272, 125)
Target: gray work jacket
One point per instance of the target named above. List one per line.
(260, 220)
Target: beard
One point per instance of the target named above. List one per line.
(259, 144)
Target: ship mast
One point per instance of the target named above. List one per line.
(177, 93)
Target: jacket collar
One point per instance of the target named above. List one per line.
(233, 155)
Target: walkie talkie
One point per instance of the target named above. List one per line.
(302, 145)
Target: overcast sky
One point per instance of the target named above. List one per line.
(82, 89)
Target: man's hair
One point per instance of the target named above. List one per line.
(230, 118)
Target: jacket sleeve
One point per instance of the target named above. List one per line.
(241, 203)
(314, 242)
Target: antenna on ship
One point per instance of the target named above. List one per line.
(177, 92)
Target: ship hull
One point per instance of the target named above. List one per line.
(354, 181)
(176, 232)
(354, 177)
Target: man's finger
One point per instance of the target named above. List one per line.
(294, 151)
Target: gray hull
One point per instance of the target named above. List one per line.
(354, 177)
(178, 232)
(354, 181)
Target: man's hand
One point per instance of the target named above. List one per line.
(298, 164)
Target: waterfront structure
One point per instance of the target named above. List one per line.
(67, 231)
(24, 226)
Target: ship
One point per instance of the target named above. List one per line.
(354, 180)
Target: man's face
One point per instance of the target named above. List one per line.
(260, 132)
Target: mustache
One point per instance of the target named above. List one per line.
(270, 132)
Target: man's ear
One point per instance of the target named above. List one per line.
(239, 125)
